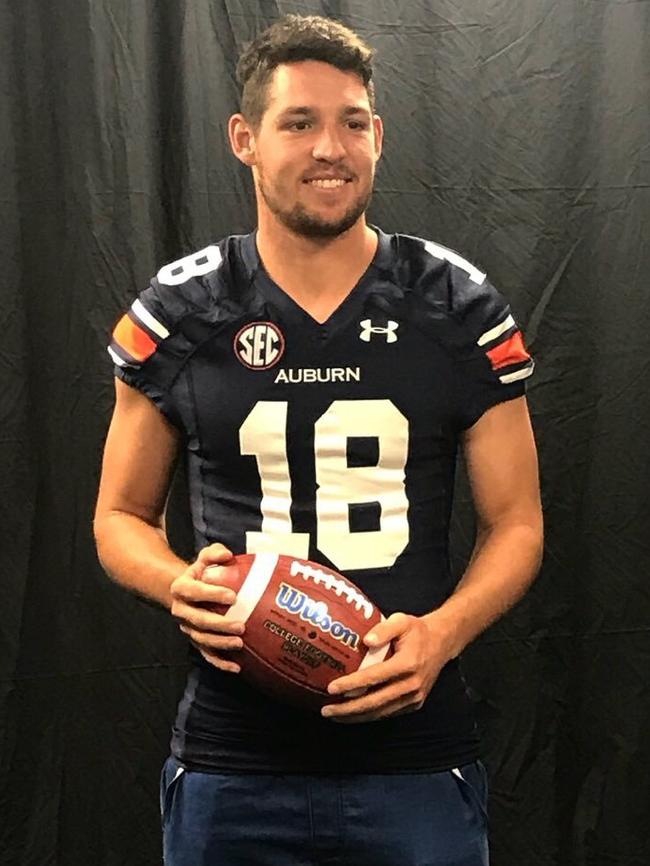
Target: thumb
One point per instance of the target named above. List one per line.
(387, 630)
(214, 553)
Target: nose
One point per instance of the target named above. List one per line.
(328, 145)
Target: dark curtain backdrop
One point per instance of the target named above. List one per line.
(518, 132)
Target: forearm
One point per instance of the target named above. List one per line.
(137, 556)
(504, 564)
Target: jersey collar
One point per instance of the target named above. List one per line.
(348, 308)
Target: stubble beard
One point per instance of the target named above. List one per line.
(305, 223)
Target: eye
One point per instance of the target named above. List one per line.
(357, 124)
(299, 125)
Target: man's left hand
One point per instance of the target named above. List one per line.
(401, 683)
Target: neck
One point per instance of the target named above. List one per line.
(317, 273)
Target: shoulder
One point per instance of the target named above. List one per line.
(203, 278)
(452, 294)
(453, 302)
(200, 286)
(438, 274)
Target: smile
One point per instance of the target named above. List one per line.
(329, 183)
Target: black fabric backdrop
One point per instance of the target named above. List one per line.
(518, 132)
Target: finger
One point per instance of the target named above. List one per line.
(388, 629)
(206, 622)
(212, 642)
(398, 665)
(198, 592)
(401, 706)
(194, 571)
(402, 690)
(203, 618)
(217, 662)
(223, 575)
(214, 553)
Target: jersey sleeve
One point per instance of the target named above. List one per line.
(139, 342)
(493, 363)
(153, 340)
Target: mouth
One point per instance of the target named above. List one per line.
(328, 182)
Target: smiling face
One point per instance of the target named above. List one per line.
(314, 153)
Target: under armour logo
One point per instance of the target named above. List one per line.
(368, 329)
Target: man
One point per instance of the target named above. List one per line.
(320, 376)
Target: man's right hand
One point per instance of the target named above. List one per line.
(192, 597)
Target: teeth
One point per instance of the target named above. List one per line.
(330, 183)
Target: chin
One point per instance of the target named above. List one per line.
(313, 225)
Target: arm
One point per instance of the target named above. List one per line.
(141, 449)
(502, 464)
(501, 461)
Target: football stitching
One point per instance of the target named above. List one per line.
(340, 586)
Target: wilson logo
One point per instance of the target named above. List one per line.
(259, 345)
(315, 612)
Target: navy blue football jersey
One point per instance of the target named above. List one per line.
(334, 442)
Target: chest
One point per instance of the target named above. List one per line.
(369, 379)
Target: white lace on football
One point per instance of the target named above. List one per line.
(339, 586)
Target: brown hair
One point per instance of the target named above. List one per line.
(294, 38)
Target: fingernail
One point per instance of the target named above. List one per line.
(326, 712)
(229, 597)
(371, 638)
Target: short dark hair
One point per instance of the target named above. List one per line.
(294, 38)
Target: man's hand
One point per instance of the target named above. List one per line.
(400, 684)
(194, 593)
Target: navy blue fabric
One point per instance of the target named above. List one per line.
(434, 375)
(427, 819)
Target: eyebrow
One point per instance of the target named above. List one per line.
(306, 111)
(356, 109)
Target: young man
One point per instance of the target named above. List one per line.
(320, 376)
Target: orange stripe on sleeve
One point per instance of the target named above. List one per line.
(133, 339)
(512, 351)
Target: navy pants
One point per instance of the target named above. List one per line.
(435, 819)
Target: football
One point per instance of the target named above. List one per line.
(305, 625)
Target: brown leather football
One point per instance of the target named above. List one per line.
(305, 625)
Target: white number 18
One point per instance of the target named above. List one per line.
(264, 435)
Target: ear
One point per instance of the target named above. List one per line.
(379, 134)
(242, 139)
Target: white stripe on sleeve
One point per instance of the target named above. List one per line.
(450, 256)
(495, 332)
(507, 378)
(147, 319)
(116, 358)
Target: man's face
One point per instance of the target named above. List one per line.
(316, 149)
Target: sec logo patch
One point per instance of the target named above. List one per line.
(259, 345)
